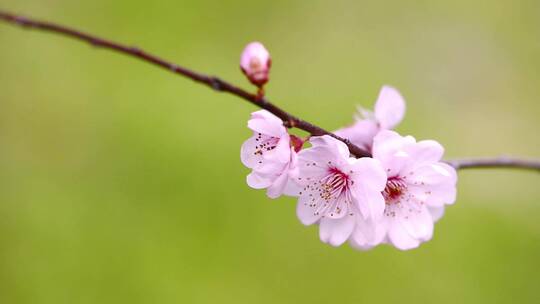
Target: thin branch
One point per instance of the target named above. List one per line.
(215, 83)
(219, 85)
(497, 162)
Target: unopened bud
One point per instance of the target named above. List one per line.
(255, 63)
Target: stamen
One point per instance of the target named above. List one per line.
(334, 184)
(395, 188)
(266, 143)
(329, 196)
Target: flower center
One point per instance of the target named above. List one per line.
(335, 183)
(265, 144)
(395, 187)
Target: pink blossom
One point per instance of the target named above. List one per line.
(336, 189)
(389, 111)
(255, 63)
(418, 187)
(269, 154)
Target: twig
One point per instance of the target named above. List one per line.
(219, 85)
(211, 81)
(498, 162)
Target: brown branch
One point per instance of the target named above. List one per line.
(211, 81)
(219, 85)
(498, 162)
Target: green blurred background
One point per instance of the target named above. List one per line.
(121, 183)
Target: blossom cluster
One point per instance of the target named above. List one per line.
(393, 197)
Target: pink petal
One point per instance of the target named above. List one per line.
(425, 151)
(338, 208)
(247, 153)
(266, 162)
(434, 195)
(367, 234)
(388, 148)
(361, 133)
(369, 181)
(269, 127)
(314, 162)
(270, 167)
(292, 188)
(436, 213)
(278, 186)
(265, 115)
(257, 181)
(434, 184)
(336, 148)
(370, 203)
(336, 231)
(311, 165)
(433, 174)
(416, 220)
(442, 195)
(310, 208)
(283, 150)
(368, 172)
(389, 108)
(398, 236)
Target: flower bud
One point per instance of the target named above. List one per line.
(255, 63)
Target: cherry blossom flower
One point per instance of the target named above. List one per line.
(255, 62)
(389, 111)
(418, 187)
(269, 154)
(335, 189)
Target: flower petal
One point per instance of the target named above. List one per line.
(247, 153)
(368, 172)
(370, 203)
(278, 186)
(416, 220)
(388, 148)
(314, 162)
(433, 174)
(311, 207)
(336, 147)
(265, 160)
(389, 108)
(292, 188)
(283, 150)
(336, 231)
(436, 213)
(259, 150)
(369, 180)
(398, 236)
(434, 184)
(361, 133)
(311, 165)
(367, 234)
(338, 208)
(266, 123)
(425, 151)
(257, 181)
(434, 195)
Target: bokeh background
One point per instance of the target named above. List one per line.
(121, 183)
